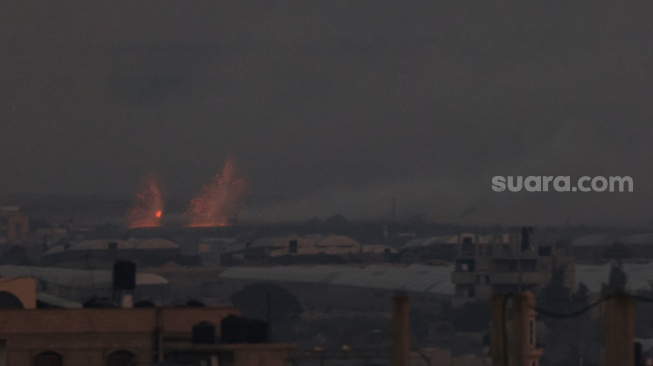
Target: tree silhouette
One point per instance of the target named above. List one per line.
(282, 311)
(472, 316)
(617, 280)
(337, 220)
(581, 297)
(555, 296)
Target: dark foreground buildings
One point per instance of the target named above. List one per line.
(122, 337)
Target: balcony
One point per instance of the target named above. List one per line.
(463, 277)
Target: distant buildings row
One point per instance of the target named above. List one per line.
(149, 252)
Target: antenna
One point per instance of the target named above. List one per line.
(90, 272)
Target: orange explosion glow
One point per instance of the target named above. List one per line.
(218, 200)
(148, 205)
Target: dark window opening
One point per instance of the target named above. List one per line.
(48, 358)
(292, 246)
(121, 358)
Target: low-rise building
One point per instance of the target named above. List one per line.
(153, 251)
(127, 336)
(508, 263)
(14, 224)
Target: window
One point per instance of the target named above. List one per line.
(121, 358)
(292, 246)
(48, 358)
(466, 265)
(9, 301)
(467, 246)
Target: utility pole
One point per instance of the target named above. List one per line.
(400, 330)
(520, 345)
(497, 328)
(619, 330)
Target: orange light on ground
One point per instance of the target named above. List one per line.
(147, 209)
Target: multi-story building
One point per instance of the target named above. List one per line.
(128, 336)
(506, 263)
(101, 334)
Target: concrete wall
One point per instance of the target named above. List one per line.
(88, 336)
(23, 288)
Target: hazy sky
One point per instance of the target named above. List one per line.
(335, 105)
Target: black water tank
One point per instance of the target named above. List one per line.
(195, 304)
(257, 331)
(124, 275)
(233, 329)
(203, 333)
(100, 302)
(145, 304)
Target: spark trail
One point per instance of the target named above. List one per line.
(147, 209)
(218, 200)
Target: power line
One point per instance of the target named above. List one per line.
(557, 315)
(573, 314)
(585, 309)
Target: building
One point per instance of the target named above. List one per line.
(18, 292)
(352, 287)
(14, 224)
(127, 336)
(142, 251)
(506, 263)
(121, 337)
(267, 250)
(82, 285)
(433, 248)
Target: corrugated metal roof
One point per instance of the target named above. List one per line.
(436, 240)
(595, 239)
(337, 240)
(416, 277)
(57, 301)
(600, 239)
(412, 278)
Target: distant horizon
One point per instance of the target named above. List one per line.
(176, 206)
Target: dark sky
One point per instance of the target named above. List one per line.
(337, 106)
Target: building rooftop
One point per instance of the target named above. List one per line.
(121, 245)
(413, 278)
(416, 277)
(76, 278)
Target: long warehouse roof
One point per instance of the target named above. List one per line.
(417, 277)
